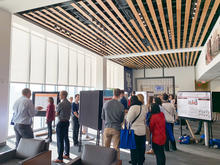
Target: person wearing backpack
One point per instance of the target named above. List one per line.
(136, 117)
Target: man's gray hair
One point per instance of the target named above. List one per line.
(26, 91)
(64, 93)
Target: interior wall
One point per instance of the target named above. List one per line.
(5, 37)
(184, 76)
(207, 72)
(215, 85)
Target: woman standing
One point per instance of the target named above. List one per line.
(137, 115)
(170, 113)
(50, 117)
(158, 130)
(151, 100)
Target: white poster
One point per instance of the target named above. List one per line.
(195, 105)
(41, 99)
(146, 95)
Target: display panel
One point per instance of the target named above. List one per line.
(196, 105)
(216, 101)
(90, 109)
(146, 95)
(41, 99)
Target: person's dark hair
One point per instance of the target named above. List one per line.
(133, 93)
(117, 92)
(26, 91)
(165, 97)
(150, 100)
(135, 101)
(170, 95)
(76, 95)
(64, 93)
(51, 100)
(158, 101)
(122, 91)
(155, 108)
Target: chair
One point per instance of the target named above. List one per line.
(28, 152)
(96, 155)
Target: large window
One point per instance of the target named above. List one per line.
(15, 93)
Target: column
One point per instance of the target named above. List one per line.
(5, 38)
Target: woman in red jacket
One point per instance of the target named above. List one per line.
(158, 131)
(50, 116)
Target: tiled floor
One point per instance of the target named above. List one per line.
(195, 154)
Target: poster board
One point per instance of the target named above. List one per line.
(195, 105)
(41, 99)
(146, 95)
(91, 103)
(107, 95)
(216, 102)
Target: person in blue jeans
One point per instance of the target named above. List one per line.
(63, 113)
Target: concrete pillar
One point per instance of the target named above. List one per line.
(104, 78)
(206, 132)
(5, 39)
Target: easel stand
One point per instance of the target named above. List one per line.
(80, 139)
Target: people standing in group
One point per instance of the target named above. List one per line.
(136, 117)
(124, 101)
(50, 117)
(158, 131)
(150, 101)
(75, 119)
(62, 128)
(113, 116)
(24, 110)
(170, 114)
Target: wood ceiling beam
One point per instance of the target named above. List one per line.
(163, 20)
(142, 26)
(137, 29)
(78, 36)
(152, 12)
(170, 14)
(118, 23)
(51, 28)
(120, 46)
(212, 13)
(71, 29)
(115, 28)
(108, 36)
(186, 23)
(99, 19)
(192, 29)
(178, 20)
(123, 20)
(86, 27)
(201, 21)
(147, 20)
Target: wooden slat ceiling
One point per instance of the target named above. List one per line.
(115, 27)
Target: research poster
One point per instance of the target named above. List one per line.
(196, 105)
(41, 99)
(146, 95)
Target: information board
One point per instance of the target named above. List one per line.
(146, 95)
(41, 99)
(195, 105)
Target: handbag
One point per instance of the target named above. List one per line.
(127, 140)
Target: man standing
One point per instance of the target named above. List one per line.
(63, 113)
(22, 118)
(113, 115)
(124, 101)
(75, 113)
